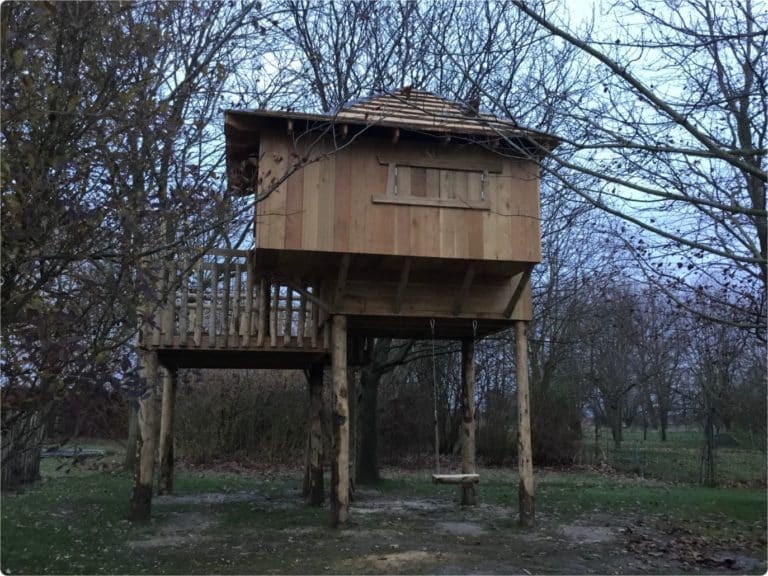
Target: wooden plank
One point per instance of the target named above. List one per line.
(434, 202)
(199, 305)
(288, 317)
(327, 203)
(342, 279)
(170, 304)
(212, 311)
(311, 206)
(466, 284)
(343, 211)
(455, 478)
(184, 304)
(262, 326)
(274, 308)
(514, 299)
(314, 322)
(432, 183)
(237, 323)
(402, 285)
(294, 218)
(418, 182)
(157, 308)
(225, 319)
(453, 162)
(302, 320)
(248, 301)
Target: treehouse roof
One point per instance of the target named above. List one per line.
(414, 112)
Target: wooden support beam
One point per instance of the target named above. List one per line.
(340, 456)
(146, 441)
(524, 450)
(313, 475)
(289, 127)
(468, 495)
(402, 285)
(526, 276)
(341, 282)
(395, 135)
(466, 284)
(344, 131)
(166, 431)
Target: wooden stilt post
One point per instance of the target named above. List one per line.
(141, 496)
(313, 475)
(468, 494)
(166, 432)
(524, 451)
(340, 461)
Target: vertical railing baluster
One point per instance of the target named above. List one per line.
(183, 311)
(288, 316)
(236, 323)
(213, 305)
(225, 320)
(274, 308)
(199, 305)
(248, 300)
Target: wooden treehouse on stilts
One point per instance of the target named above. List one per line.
(404, 215)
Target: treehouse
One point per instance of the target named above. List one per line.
(403, 215)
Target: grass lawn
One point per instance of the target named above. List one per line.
(74, 523)
(676, 460)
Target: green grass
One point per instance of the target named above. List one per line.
(75, 523)
(678, 459)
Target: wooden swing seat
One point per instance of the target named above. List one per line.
(455, 478)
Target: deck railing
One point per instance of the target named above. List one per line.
(221, 302)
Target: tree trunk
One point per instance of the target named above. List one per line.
(708, 475)
(133, 434)
(340, 462)
(663, 419)
(468, 494)
(166, 432)
(313, 477)
(368, 454)
(141, 497)
(524, 449)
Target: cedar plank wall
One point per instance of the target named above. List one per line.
(327, 206)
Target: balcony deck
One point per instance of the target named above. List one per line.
(219, 313)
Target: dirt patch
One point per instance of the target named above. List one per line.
(461, 528)
(182, 528)
(396, 562)
(209, 498)
(588, 534)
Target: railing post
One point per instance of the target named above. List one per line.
(212, 307)
(199, 305)
(225, 304)
(248, 300)
(184, 310)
